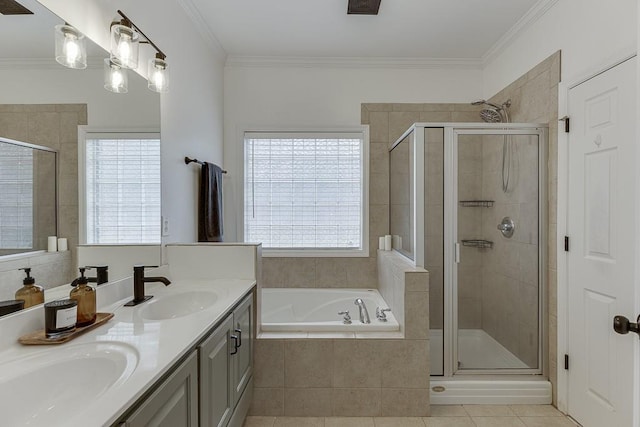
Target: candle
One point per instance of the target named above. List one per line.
(62, 244)
(52, 244)
(387, 242)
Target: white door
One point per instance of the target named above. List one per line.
(601, 225)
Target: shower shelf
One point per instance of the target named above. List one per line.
(478, 243)
(476, 203)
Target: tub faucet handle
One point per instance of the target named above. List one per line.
(381, 314)
(347, 318)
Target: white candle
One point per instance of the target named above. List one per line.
(387, 242)
(381, 243)
(52, 244)
(62, 244)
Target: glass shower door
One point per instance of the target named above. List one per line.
(497, 286)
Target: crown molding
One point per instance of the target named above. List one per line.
(201, 26)
(340, 62)
(536, 12)
(44, 64)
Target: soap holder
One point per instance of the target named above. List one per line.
(40, 338)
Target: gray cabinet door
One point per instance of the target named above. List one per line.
(174, 403)
(216, 390)
(243, 359)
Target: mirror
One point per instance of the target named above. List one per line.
(46, 104)
(28, 196)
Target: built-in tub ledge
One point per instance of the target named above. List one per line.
(391, 335)
(319, 313)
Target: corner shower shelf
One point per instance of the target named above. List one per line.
(476, 203)
(478, 243)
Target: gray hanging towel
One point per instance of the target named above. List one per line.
(210, 204)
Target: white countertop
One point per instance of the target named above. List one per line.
(158, 344)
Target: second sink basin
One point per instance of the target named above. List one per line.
(171, 306)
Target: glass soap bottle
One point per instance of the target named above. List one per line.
(86, 297)
(30, 293)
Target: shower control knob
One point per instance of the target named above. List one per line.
(622, 325)
(507, 227)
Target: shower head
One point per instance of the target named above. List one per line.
(491, 115)
(495, 113)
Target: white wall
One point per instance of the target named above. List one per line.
(324, 96)
(590, 33)
(191, 113)
(139, 108)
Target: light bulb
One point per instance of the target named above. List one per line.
(71, 49)
(124, 48)
(116, 79)
(158, 80)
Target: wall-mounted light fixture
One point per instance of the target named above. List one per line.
(125, 40)
(115, 77)
(71, 47)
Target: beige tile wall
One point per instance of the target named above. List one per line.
(534, 98)
(54, 126)
(353, 377)
(510, 269)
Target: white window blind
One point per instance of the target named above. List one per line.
(16, 197)
(304, 191)
(122, 185)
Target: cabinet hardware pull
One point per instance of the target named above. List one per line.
(239, 331)
(235, 344)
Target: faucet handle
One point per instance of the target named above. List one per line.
(347, 318)
(381, 313)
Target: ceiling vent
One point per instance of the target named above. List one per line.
(12, 7)
(363, 7)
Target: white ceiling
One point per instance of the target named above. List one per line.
(322, 28)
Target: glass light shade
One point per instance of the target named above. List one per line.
(158, 75)
(115, 77)
(124, 46)
(71, 47)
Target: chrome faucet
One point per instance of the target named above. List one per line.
(364, 314)
(347, 318)
(381, 313)
(138, 285)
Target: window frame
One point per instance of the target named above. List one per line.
(85, 133)
(363, 133)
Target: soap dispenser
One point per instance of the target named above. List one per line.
(85, 295)
(30, 293)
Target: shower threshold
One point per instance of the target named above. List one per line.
(478, 350)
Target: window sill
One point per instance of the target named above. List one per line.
(315, 253)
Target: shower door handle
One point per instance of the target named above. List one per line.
(457, 253)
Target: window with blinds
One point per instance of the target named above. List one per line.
(304, 190)
(16, 197)
(122, 186)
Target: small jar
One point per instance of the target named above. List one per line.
(60, 317)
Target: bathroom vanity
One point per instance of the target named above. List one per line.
(182, 358)
(209, 384)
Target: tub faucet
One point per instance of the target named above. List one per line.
(364, 314)
(138, 285)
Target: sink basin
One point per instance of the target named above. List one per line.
(172, 306)
(48, 388)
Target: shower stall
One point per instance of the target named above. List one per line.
(468, 203)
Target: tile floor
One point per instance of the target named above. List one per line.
(441, 416)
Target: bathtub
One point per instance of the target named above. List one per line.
(300, 310)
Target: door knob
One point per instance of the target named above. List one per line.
(622, 325)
